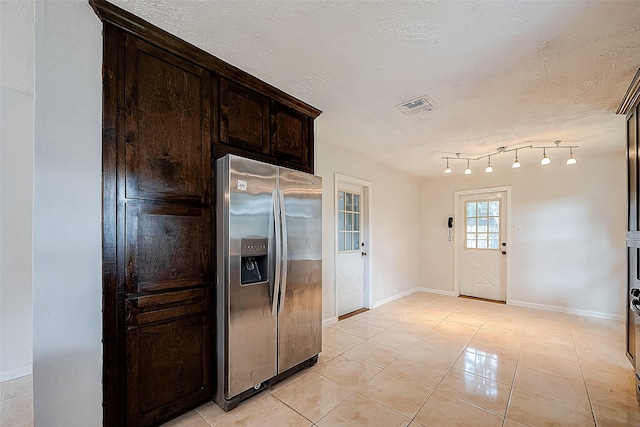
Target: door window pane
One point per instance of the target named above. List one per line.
(482, 209)
(471, 225)
(471, 209)
(348, 221)
(482, 225)
(494, 208)
(493, 241)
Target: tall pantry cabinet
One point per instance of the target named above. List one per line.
(630, 106)
(169, 110)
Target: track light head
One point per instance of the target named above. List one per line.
(545, 160)
(467, 171)
(516, 163)
(447, 169)
(488, 169)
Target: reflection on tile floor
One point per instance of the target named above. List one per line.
(430, 360)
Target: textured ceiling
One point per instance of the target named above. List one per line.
(504, 73)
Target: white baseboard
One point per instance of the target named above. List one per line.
(436, 291)
(329, 321)
(393, 298)
(15, 373)
(585, 313)
(409, 292)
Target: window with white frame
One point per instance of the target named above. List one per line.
(348, 221)
(482, 219)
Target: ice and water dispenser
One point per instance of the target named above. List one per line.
(254, 261)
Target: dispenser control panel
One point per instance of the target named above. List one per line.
(254, 246)
(254, 253)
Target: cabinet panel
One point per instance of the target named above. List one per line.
(244, 117)
(166, 247)
(168, 368)
(167, 108)
(290, 136)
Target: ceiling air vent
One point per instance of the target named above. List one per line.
(418, 105)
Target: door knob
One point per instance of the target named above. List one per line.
(364, 253)
(504, 252)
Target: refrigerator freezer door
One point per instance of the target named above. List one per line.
(246, 326)
(300, 314)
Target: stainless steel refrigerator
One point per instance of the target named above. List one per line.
(269, 275)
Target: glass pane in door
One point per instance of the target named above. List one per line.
(348, 221)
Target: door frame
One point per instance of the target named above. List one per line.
(365, 233)
(458, 227)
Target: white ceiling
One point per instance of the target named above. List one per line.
(503, 73)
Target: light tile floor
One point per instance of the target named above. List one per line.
(431, 360)
(16, 402)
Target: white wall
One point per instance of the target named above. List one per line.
(393, 222)
(67, 283)
(570, 254)
(16, 187)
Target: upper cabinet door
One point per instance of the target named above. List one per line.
(166, 126)
(290, 137)
(244, 118)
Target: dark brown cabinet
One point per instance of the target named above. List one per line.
(630, 106)
(157, 180)
(633, 231)
(169, 110)
(244, 118)
(290, 137)
(254, 126)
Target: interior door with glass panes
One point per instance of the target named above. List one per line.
(482, 262)
(349, 246)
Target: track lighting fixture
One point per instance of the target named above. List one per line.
(516, 164)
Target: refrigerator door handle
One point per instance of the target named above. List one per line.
(284, 254)
(276, 280)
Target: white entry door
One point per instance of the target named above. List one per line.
(350, 248)
(482, 244)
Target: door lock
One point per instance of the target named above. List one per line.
(364, 254)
